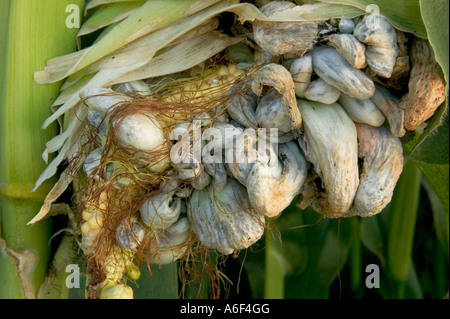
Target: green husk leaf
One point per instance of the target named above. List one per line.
(403, 14)
(95, 3)
(150, 44)
(153, 15)
(182, 56)
(108, 14)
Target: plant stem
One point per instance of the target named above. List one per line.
(31, 33)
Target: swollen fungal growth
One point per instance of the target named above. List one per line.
(283, 37)
(361, 111)
(330, 66)
(382, 155)
(353, 51)
(272, 113)
(273, 183)
(281, 105)
(162, 210)
(381, 39)
(320, 91)
(426, 86)
(140, 131)
(241, 107)
(301, 70)
(331, 146)
(278, 77)
(172, 244)
(387, 103)
(224, 220)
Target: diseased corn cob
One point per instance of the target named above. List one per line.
(300, 97)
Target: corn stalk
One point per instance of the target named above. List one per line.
(31, 32)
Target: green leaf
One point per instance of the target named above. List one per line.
(328, 244)
(153, 15)
(275, 269)
(436, 19)
(432, 145)
(413, 285)
(254, 266)
(403, 214)
(438, 178)
(372, 237)
(440, 217)
(162, 284)
(355, 255)
(403, 14)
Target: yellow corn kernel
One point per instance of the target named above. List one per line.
(85, 228)
(96, 221)
(133, 272)
(257, 55)
(232, 68)
(222, 71)
(238, 72)
(116, 291)
(86, 215)
(116, 264)
(100, 206)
